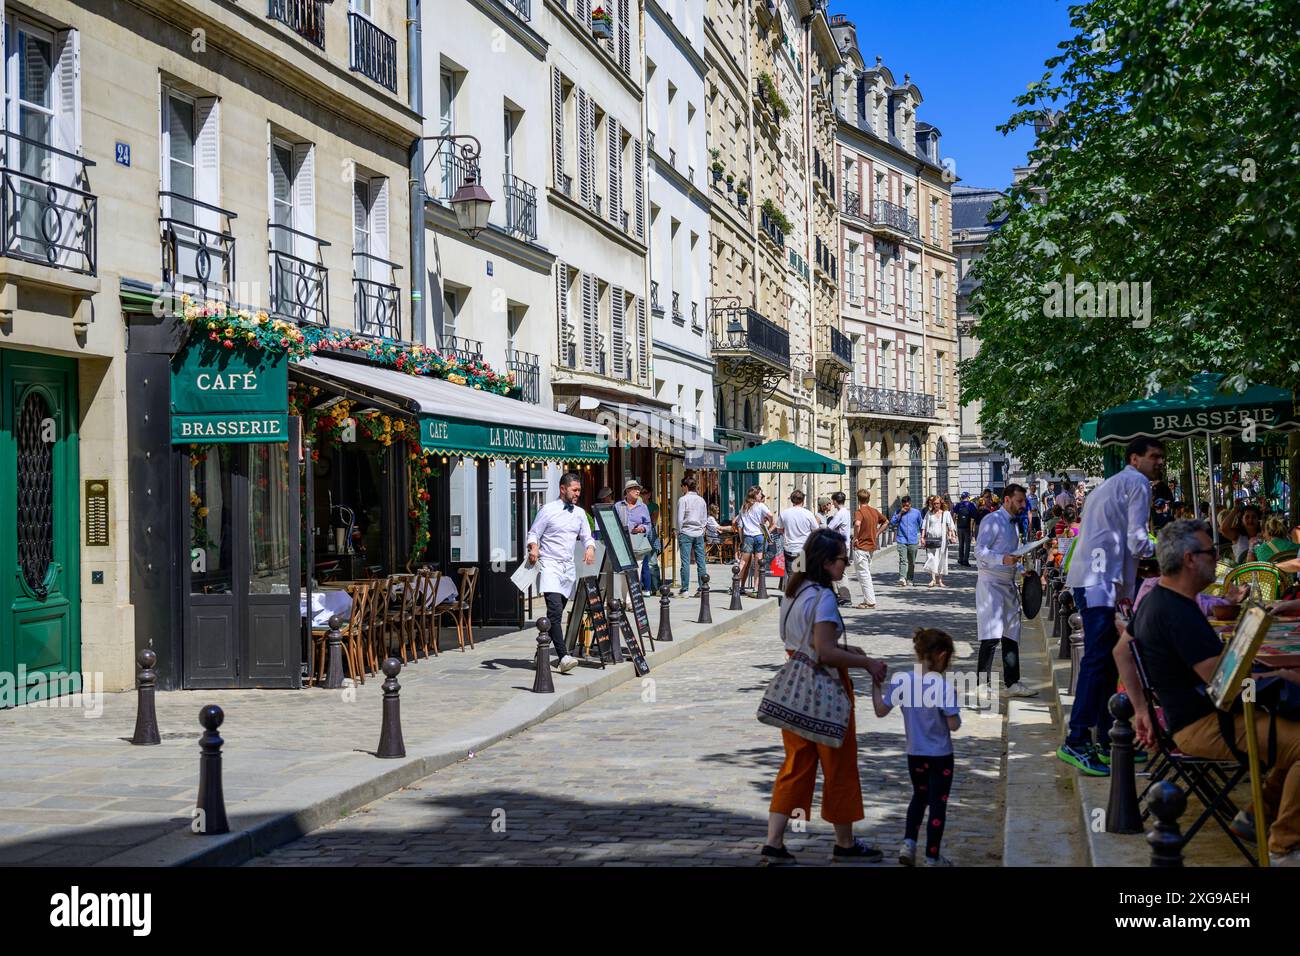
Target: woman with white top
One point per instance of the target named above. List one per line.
(939, 531)
(753, 522)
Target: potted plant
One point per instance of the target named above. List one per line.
(731, 182)
(742, 193)
(602, 24)
(716, 165)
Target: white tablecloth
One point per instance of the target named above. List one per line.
(447, 591)
(327, 603)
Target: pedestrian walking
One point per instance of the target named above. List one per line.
(1103, 572)
(635, 515)
(964, 517)
(753, 522)
(930, 715)
(867, 522)
(997, 599)
(1065, 497)
(940, 531)
(692, 518)
(906, 524)
(839, 521)
(795, 523)
(811, 624)
(559, 525)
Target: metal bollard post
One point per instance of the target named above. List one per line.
(735, 604)
(542, 681)
(614, 613)
(334, 644)
(211, 807)
(706, 616)
(1167, 804)
(1076, 649)
(1122, 813)
(761, 561)
(665, 623)
(146, 717)
(390, 733)
(1063, 625)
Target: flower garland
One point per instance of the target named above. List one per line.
(244, 327)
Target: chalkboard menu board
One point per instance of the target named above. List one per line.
(638, 610)
(592, 605)
(614, 534)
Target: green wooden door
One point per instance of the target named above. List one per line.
(40, 599)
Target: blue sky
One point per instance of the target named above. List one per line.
(970, 59)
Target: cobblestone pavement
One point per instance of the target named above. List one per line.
(675, 769)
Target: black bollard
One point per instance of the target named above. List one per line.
(1122, 813)
(614, 614)
(211, 807)
(1063, 625)
(334, 645)
(1076, 649)
(735, 604)
(1167, 804)
(146, 717)
(390, 733)
(761, 561)
(706, 616)
(665, 623)
(1053, 594)
(542, 682)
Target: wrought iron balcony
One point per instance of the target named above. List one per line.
(739, 329)
(198, 248)
(864, 399)
(528, 373)
(677, 309)
(894, 217)
(655, 307)
(773, 231)
(377, 302)
(696, 325)
(523, 10)
(305, 17)
(49, 215)
(521, 207)
(299, 282)
(852, 203)
(372, 53)
(835, 347)
(460, 348)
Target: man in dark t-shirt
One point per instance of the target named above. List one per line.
(1179, 653)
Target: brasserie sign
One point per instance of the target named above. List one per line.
(451, 436)
(229, 395)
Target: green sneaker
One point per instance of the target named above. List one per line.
(1083, 759)
(1140, 756)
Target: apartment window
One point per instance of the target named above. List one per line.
(452, 172)
(363, 7)
(297, 278)
(938, 297)
(881, 193)
(190, 191)
(909, 289)
(934, 221)
(508, 141)
(451, 303)
(938, 377)
(911, 368)
(884, 363)
(375, 293)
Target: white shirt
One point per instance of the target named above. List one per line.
(840, 522)
(998, 537)
(939, 524)
(796, 523)
(555, 531)
(1112, 537)
(751, 521)
(692, 513)
(812, 605)
(927, 701)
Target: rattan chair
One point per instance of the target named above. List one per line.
(1264, 579)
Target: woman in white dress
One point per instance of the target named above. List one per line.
(938, 525)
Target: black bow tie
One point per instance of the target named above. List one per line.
(567, 506)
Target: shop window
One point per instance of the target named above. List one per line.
(268, 518)
(211, 544)
(463, 519)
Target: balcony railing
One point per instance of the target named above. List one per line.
(852, 203)
(49, 215)
(299, 282)
(696, 325)
(742, 329)
(521, 207)
(455, 170)
(305, 17)
(888, 401)
(373, 52)
(655, 307)
(677, 309)
(528, 374)
(838, 345)
(377, 302)
(198, 249)
(460, 348)
(894, 217)
(523, 10)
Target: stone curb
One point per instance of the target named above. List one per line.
(362, 780)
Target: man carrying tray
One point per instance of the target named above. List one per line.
(557, 527)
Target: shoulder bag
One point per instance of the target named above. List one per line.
(804, 697)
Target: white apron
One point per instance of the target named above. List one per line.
(997, 606)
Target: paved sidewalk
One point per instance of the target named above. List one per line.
(678, 772)
(75, 792)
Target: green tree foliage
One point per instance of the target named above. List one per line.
(1174, 159)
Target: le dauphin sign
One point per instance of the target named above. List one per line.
(229, 395)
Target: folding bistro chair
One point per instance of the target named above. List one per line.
(1211, 780)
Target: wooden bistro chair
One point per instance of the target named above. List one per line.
(376, 622)
(461, 609)
(398, 620)
(427, 592)
(353, 639)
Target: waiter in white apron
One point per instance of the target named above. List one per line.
(997, 599)
(557, 527)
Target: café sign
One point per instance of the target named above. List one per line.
(229, 395)
(449, 436)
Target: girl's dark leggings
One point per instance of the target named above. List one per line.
(931, 782)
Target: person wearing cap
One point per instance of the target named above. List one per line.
(964, 514)
(635, 516)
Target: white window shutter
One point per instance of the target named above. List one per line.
(67, 136)
(624, 38)
(565, 337)
(304, 200)
(618, 332)
(207, 162)
(590, 321)
(379, 225)
(557, 126)
(642, 343)
(583, 8)
(614, 136)
(586, 170)
(638, 176)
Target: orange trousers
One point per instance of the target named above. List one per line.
(841, 786)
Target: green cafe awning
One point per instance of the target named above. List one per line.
(228, 395)
(1088, 433)
(458, 420)
(785, 457)
(1199, 408)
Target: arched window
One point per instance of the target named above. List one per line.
(748, 426)
(941, 468)
(721, 406)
